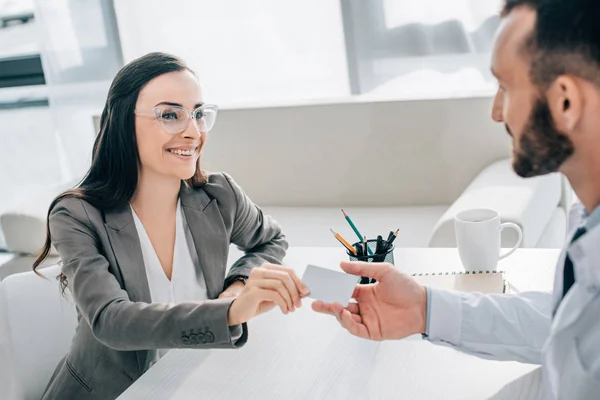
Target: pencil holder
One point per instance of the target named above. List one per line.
(387, 257)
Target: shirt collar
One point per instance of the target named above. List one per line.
(592, 219)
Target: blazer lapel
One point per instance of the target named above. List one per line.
(126, 247)
(209, 236)
(125, 243)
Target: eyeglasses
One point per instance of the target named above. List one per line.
(176, 119)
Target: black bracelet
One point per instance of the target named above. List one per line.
(232, 279)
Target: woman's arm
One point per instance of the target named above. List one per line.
(114, 319)
(258, 235)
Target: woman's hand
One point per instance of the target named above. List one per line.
(233, 290)
(268, 286)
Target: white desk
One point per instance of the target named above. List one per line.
(305, 355)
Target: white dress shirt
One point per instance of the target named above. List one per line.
(186, 283)
(562, 334)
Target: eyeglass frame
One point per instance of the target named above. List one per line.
(157, 114)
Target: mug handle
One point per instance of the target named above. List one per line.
(519, 231)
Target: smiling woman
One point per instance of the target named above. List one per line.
(144, 237)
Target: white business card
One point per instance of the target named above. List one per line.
(328, 285)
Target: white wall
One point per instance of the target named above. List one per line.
(357, 153)
(29, 158)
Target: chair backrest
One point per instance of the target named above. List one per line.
(37, 325)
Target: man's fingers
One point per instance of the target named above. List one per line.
(353, 308)
(327, 308)
(322, 307)
(357, 318)
(353, 326)
(361, 268)
(349, 321)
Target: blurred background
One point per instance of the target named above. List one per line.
(57, 58)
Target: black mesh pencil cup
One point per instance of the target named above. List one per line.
(384, 255)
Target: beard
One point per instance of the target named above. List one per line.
(542, 147)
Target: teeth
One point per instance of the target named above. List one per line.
(182, 152)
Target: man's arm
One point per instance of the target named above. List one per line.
(500, 327)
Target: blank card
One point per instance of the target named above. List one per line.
(328, 285)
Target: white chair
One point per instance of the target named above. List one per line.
(37, 325)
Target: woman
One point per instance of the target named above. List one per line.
(144, 239)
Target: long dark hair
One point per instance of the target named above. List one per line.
(113, 176)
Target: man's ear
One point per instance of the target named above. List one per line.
(565, 99)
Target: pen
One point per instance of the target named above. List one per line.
(343, 241)
(359, 249)
(379, 247)
(360, 237)
(365, 246)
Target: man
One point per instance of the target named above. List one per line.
(547, 61)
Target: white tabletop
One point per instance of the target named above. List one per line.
(305, 355)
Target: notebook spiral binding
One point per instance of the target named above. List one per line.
(456, 273)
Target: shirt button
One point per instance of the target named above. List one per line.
(201, 338)
(210, 338)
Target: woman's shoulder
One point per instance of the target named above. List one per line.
(69, 206)
(219, 186)
(218, 179)
(217, 182)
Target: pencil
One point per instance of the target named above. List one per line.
(360, 237)
(392, 238)
(343, 241)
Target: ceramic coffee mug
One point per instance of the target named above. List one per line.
(478, 239)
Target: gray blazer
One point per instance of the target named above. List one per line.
(118, 324)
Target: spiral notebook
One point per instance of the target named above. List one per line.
(484, 282)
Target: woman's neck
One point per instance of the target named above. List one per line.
(155, 193)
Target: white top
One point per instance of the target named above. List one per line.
(187, 282)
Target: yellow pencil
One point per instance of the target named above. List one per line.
(343, 241)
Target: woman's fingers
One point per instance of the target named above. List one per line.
(282, 277)
(270, 296)
(278, 287)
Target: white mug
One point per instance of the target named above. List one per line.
(478, 239)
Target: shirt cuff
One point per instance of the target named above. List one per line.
(444, 316)
(428, 311)
(236, 332)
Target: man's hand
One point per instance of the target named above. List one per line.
(233, 290)
(393, 308)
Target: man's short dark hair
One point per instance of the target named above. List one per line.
(565, 40)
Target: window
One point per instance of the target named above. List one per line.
(245, 52)
(413, 49)
(275, 52)
(20, 63)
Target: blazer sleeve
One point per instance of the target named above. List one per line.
(115, 320)
(258, 235)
